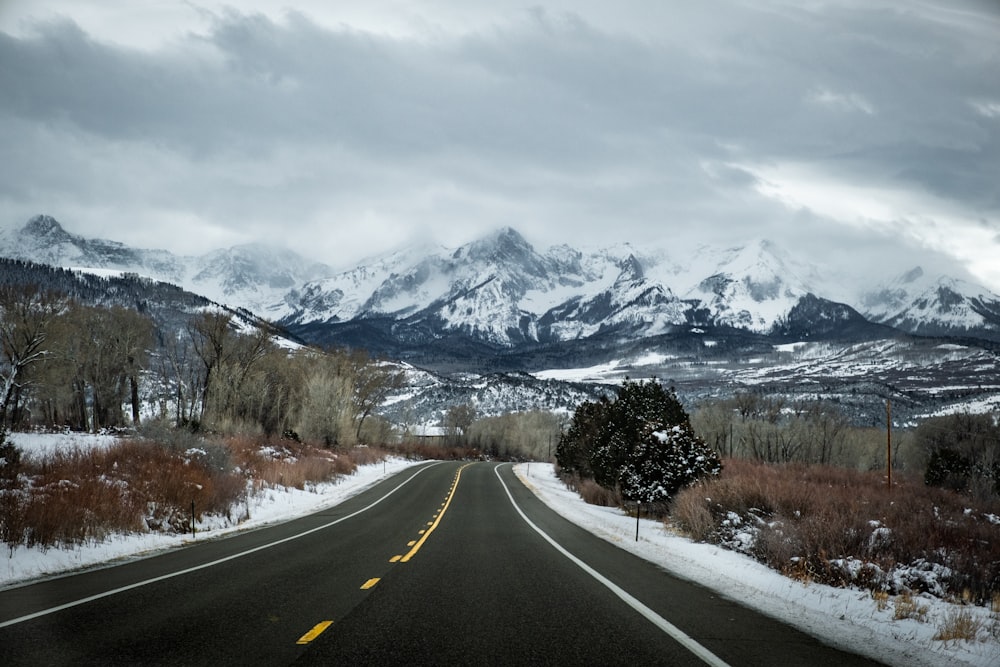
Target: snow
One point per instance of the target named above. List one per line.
(38, 445)
(610, 372)
(606, 373)
(849, 619)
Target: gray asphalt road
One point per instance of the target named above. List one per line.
(444, 564)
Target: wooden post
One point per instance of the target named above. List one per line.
(638, 507)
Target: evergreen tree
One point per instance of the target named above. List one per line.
(576, 444)
(665, 461)
(641, 443)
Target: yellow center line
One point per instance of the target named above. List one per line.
(434, 525)
(314, 633)
(370, 583)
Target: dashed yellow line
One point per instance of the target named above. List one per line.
(314, 633)
(370, 583)
(434, 524)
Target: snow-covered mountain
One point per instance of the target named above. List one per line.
(250, 276)
(43, 240)
(499, 290)
(919, 303)
(500, 294)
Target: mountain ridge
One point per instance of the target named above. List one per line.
(499, 293)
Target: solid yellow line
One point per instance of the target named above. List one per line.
(314, 633)
(370, 583)
(434, 525)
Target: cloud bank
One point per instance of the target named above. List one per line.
(865, 128)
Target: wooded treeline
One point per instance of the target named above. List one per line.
(958, 451)
(91, 367)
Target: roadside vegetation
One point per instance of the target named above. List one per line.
(848, 528)
(639, 447)
(808, 494)
(163, 480)
(210, 412)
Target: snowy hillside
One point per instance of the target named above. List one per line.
(43, 240)
(502, 291)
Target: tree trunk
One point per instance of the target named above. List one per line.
(134, 384)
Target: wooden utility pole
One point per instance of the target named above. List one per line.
(888, 442)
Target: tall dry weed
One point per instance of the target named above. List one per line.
(844, 527)
(77, 495)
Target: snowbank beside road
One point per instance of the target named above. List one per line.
(264, 507)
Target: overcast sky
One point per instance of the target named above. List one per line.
(866, 130)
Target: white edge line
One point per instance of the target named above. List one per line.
(146, 582)
(663, 624)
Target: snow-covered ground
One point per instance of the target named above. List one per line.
(850, 619)
(42, 444)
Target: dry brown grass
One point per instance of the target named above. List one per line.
(908, 607)
(843, 527)
(960, 624)
(591, 492)
(77, 495)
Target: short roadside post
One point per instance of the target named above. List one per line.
(638, 508)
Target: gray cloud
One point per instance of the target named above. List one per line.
(591, 127)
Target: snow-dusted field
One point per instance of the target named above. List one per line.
(850, 619)
(42, 444)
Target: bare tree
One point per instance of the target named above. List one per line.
(373, 382)
(458, 419)
(25, 316)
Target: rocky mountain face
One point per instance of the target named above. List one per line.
(499, 296)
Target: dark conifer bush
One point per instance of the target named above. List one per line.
(640, 444)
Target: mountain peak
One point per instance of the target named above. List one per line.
(912, 275)
(504, 241)
(506, 247)
(45, 226)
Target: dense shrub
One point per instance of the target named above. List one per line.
(79, 495)
(641, 444)
(842, 527)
